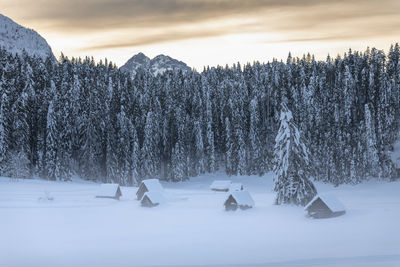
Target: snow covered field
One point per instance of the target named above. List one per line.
(192, 229)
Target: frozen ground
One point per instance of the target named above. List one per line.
(192, 229)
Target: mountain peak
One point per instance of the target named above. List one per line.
(140, 57)
(16, 39)
(155, 66)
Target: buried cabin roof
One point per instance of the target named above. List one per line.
(153, 185)
(236, 187)
(330, 201)
(220, 185)
(242, 198)
(156, 197)
(108, 190)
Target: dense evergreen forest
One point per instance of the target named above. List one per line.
(78, 117)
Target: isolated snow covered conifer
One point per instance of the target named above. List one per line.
(291, 163)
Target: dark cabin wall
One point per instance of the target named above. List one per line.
(319, 209)
(230, 204)
(141, 191)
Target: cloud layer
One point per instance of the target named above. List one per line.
(113, 24)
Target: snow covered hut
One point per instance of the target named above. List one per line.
(236, 187)
(220, 185)
(109, 191)
(325, 206)
(152, 199)
(239, 199)
(149, 185)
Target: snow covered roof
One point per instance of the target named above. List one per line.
(236, 187)
(108, 190)
(220, 185)
(153, 185)
(330, 201)
(156, 197)
(243, 198)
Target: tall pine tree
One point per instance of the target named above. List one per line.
(292, 166)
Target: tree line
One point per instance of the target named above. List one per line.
(79, 117)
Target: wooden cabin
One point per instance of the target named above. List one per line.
(220, 185)
(324, 206)
(109, 191)
(149, 185)
(239, 199)
(152, 199)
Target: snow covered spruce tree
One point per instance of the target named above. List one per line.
(291, 163)
(51, 143)
(4, 130)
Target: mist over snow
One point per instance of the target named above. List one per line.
(192, 228)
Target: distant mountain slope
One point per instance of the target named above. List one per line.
(155, 66)
(136, 62)
(16, 38)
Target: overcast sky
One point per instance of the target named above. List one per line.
(208, 32)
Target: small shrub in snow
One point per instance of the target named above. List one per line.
(46, 198)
